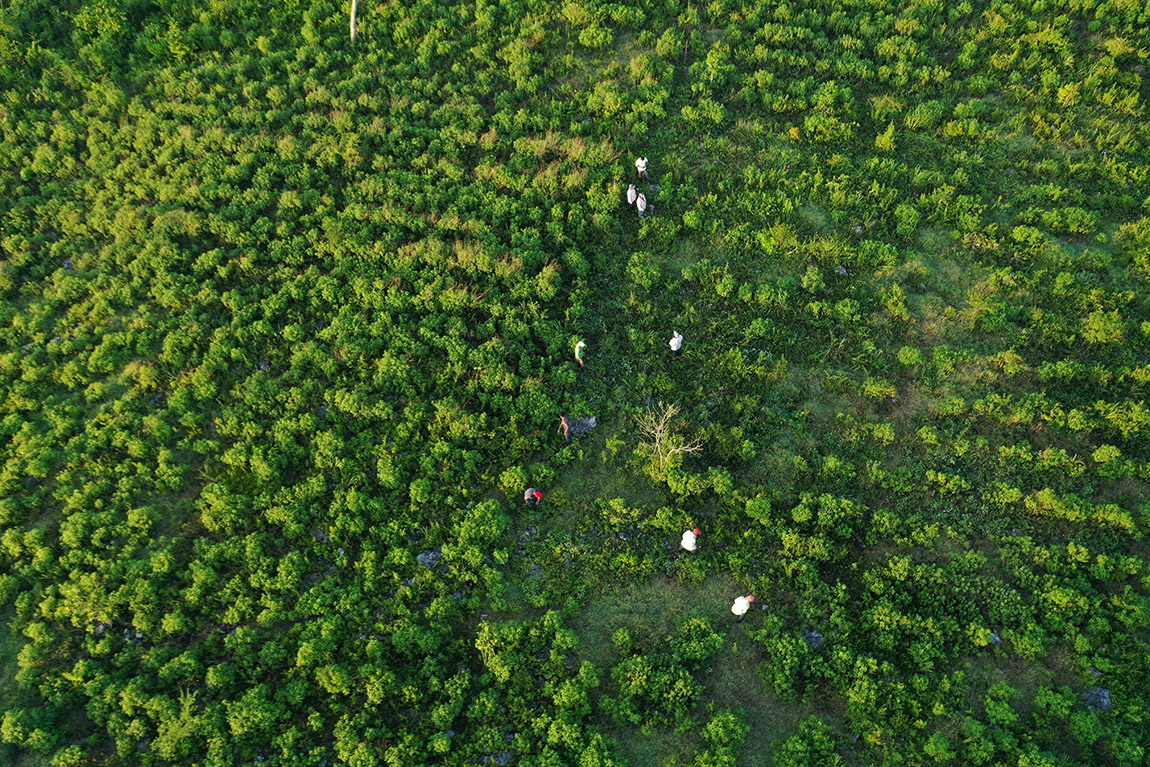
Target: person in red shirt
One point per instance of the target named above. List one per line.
(531, 497)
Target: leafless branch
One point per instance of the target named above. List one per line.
(659, 441)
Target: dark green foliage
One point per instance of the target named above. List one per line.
(655, 684)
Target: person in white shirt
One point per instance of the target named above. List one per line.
(740, 607)
(689, 541)
(676, 343)
(641, 166)
(632, 193)
(641, 204)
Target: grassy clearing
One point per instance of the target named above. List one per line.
(681, 255)
(734, 684)
(651, 611)
(658, 748)
(812, 220)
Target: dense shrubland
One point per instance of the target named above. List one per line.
(288, 326)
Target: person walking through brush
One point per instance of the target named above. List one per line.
(740, 607)
(676, 343)
(531, 497)
(689, 541)
(632, 193)
(580, 346)
(641, 166)
(641, 204)
(564, 428)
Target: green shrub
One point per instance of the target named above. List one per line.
(695, 643)
(596, 37)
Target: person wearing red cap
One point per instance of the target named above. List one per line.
(689, 542)
(740, 607)
(532, 496)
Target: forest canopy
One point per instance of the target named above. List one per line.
(289, 323)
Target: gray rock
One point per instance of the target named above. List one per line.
(429, 558)
(583, 424)
(814, 639)
(1097, 699)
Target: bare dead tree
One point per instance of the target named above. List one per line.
(659, 440)
(353, 5)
